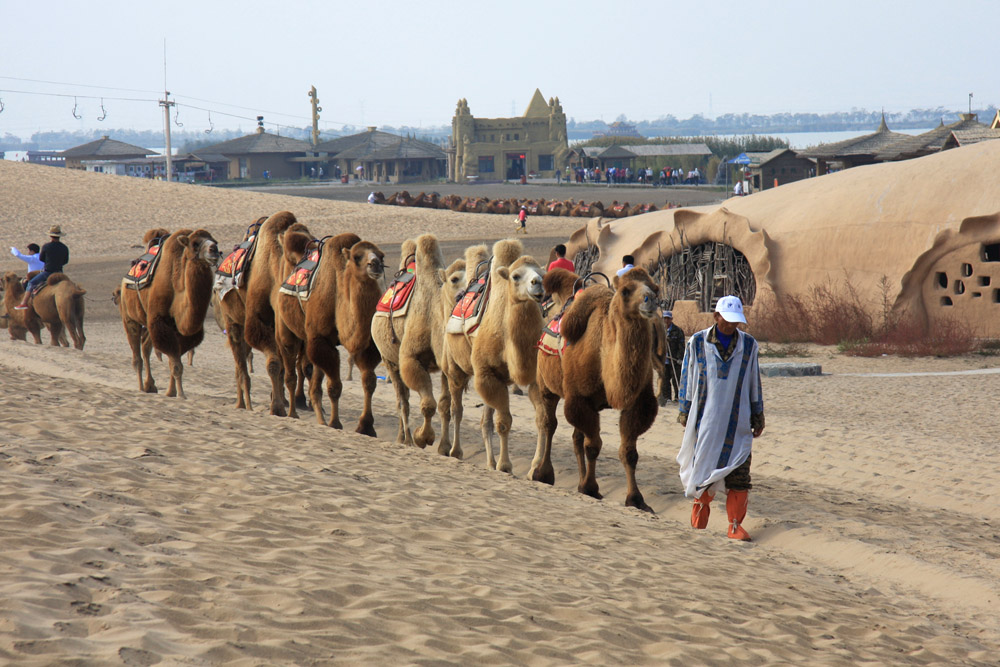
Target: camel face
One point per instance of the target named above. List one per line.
(368, 258)
(639, 298)
(205, 248)
(527, 281)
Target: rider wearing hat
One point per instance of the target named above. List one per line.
(54, 256)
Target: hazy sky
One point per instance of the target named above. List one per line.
(408, 62)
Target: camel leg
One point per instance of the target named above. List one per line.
(147, 351)
(416, 376)
(635, 421)
(444, 409)
(176, 388)
(456, 387)
(545, 403)
(403, 435)
(275, 371)
(190, 357)
(366, 363)
(316, 393)
(289, 356)
(239, 348)
(495, 395)
(488, 430)
(326, 357)
(137, 341)
(585, 417)
(56, 332)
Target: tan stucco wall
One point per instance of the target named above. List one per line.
(902, 220)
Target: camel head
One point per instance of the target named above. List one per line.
(366, 256)
(636, 295)
(294, 244)
(200, 245)
(560, 283)
(8, 279)
(525, 277)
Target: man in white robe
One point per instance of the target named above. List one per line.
(722, 409)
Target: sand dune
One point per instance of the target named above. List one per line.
(144, 530)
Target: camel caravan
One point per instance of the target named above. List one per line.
(298, 299)
(566, 208)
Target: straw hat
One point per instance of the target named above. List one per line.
(55, 230)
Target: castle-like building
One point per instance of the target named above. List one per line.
(496, 149)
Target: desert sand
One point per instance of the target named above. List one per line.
(143, 530)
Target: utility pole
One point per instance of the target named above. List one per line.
(316, 108)
(166, 104)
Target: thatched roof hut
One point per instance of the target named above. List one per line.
(854, 152)
(928, 142)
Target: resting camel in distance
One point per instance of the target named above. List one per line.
(502, 348)
(260, 299)
(345, 291)
(560, 283)
(58, 305)
(412, 344)
(594, 209)
(607, 363)
(169, 315)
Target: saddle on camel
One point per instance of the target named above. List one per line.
(396, 299)
(471, 303)
(232, 271)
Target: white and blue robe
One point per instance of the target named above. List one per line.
(718, 397)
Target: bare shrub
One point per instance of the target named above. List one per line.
(839, 315)
(946, 337)
(785, 320)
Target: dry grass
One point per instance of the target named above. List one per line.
(837, 315)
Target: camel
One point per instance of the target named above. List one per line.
(451, 202)
(345, 291)
(379, 197)
(561, 284)
(617, 210)
(58, 305)
(412, 345)
(230, 315)
(475, 205)
(502, 349)
(607, 363)
(594, 209)
(169, 315)
(639, 209)
(260, 298)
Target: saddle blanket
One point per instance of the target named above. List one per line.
(396, 299)
(141, 273)
(236, 263)
(299, 283)
(468, 312)
(551, 341)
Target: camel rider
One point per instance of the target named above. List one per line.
(54, 256)
(31, 259)
(722, 410)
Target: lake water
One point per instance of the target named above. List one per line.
(801, 140)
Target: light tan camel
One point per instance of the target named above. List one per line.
(133, 314)
(502, 349)
(417, 350)
(172, 309)
(260, 299)
(345, 291)
(607, 363)
(58, 305)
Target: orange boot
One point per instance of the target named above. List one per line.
(701, 510)
(736, 508)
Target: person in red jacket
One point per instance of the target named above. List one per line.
(560, 262)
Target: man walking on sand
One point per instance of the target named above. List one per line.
(722, 410)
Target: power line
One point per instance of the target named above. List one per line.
(78, 85)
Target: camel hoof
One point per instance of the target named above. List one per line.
(545, 476)
(639, 504)
(457, 453)
(366, 430)
(335, 423)
(422, 439)
(592, 492)
(506, 467)
(663, 400)
(301, 403)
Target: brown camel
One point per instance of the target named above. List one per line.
(169, 314)
(412, 344)
(594, 209)
(639, 209)
(230, 314)
(339, 310)
(561, 284)
(58, 305)
(617, 210)
(260, 298)
(502, 348)
(606, 363)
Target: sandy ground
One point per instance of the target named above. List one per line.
(139, 529)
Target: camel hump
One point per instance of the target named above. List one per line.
(560, 281)
(429, 248)
(156, 233)
(56, 278)
(506, 251)
(574, 322)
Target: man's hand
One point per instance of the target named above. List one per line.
(757, 424)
